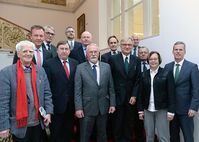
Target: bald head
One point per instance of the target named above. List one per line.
(86, 38)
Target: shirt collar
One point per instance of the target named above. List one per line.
(97, 64)
(151, 71)
(124, 56)
(180, 63)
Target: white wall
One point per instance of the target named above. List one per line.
(28, 16)
(178, 21)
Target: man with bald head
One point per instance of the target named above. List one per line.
(94, 95)
(79, 54)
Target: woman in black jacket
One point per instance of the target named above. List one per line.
(156, 101)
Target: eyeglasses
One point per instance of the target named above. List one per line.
(48, 33)
(124, 44)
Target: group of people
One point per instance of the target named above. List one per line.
(123, 94)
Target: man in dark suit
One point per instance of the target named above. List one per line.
(186, 76)
(126, 72)
(113, 45)
(136, 40)
(79, 54)
(94, 95)
(48, 38)
(40, 52)
(62, 87)
(70, 34)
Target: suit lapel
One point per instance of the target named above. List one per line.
(121, 65)
(61, 67)
(90, 72)
(182, 71)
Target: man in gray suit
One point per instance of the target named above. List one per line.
(24, 91)
(94, 95)
(186, 76)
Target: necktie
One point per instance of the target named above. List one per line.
(177, 72)
(134, 51)
(94, 72)
(126, 64)
(66, 69)
(114, 52)
(48, 45)
(144, 66)
(38, 57)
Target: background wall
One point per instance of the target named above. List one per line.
(178, 21)
(28, 16)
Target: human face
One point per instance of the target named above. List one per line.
(63, 51)
(37, 37)
(26, 54)
(136, 40)
(143, 53)
(86, 38)
(179, 52)
(126, 46)
(49, 35)
(113, 44)
(153, 61)
(70, 33)
(92, 53)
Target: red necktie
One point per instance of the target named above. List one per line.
(66, 69)
(38, 57)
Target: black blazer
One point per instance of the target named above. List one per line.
(78, 53)
(62, 88)
(164, 90)
(105, 57)
(126, 85)
(46, 55)
(53, 49)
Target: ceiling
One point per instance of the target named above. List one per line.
(61, 5)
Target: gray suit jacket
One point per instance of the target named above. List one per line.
(186, 87)
(90, 97)
(8, 89)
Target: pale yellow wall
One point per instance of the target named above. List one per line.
(27, 16)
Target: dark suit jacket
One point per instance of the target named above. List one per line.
(53, 49)
(105, 57)
(78, 53)
(126, 85)
(62, 88)
(90, 97)
(46, 55)
(186, 87)
(164, 90)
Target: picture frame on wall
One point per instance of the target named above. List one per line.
(80, 25)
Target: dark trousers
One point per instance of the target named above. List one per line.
(62, 126)
(33, 134)
(184, 123)
(124, 123)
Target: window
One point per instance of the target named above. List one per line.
(130, 17)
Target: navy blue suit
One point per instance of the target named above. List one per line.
(63, 98)
(187, 97)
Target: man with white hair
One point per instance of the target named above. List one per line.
(24, 90)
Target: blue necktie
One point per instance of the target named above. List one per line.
(94, 72)
(134, 51)
(144, 66)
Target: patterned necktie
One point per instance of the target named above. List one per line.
(48, 45)
(126, 64)
(66, 69)
(95, 72)
(144, 66)
(177, 72)
(38, 57)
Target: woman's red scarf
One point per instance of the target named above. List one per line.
(21, 96)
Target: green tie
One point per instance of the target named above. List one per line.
(126, 64)
(177, 72)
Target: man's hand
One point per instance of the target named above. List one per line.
(132, 100)
(111, 109)
(191, 113)
(5, 133)
(47, 119)
(141, 115)
(79, 113)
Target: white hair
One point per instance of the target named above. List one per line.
(23, 43)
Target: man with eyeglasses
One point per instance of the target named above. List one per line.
(126, 70)
(70, 35)
(48, 38)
